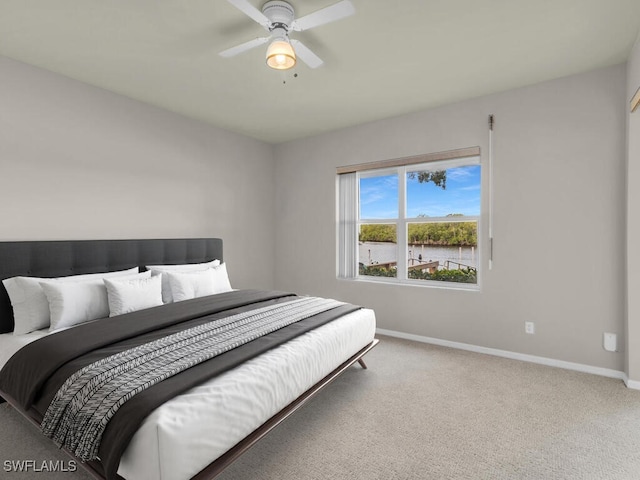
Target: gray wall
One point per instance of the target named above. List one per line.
(78, 162)
(633, 220)
(559, 219)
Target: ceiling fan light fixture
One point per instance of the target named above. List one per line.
(280, 55)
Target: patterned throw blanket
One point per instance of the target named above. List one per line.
(82, 407)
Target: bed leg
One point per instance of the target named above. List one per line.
(362, 364)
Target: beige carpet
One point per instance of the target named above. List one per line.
(427, 412)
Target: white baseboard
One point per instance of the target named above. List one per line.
(551, 362)
(634, 384)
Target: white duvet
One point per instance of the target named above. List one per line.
(184, 435)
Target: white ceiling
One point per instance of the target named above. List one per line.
(388, 59)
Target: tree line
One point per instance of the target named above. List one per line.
(442, 233)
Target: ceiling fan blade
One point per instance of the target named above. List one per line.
(306, 55)
(243, 47)
(249, 10)
(325, 15)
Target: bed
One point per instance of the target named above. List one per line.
(209, 424)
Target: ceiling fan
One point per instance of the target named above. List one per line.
(278, 18)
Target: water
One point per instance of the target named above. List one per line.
(382, 252)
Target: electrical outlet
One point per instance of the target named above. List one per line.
(610, 342)
(530, 328)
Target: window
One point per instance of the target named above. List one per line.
(414, 223)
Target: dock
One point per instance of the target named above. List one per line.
(430, 267)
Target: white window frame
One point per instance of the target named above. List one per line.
(402, 222)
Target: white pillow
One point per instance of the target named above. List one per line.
(30, 305)
(131, 294)
(72, 303)
(187, 267)
(187, 285)
(221, 282)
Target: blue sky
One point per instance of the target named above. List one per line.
(379, 195)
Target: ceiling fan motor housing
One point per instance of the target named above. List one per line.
(280, 14)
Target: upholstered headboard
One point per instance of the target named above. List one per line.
(73, 257)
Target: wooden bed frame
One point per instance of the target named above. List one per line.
(61, 258)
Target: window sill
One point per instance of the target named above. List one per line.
(467, 287)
